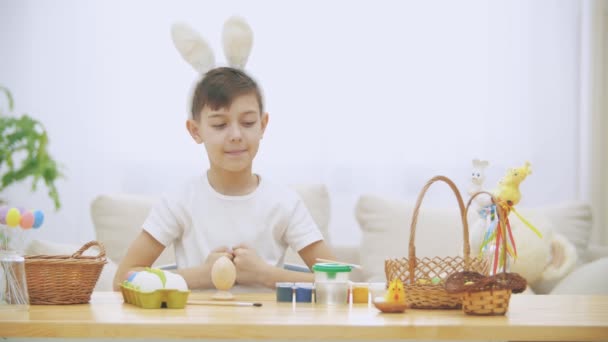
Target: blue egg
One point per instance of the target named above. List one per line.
(132, 276)
(38, 219)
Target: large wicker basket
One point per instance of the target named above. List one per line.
(64, 279)
(424, 278)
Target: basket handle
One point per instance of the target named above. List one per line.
(102, 250)
(465, 224)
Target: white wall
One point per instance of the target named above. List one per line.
(365, 96)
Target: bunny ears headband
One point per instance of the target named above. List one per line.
(237, 39)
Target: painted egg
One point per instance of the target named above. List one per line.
(175, 282)
(147, 281)
(3, 210)
(13, 217)
(223, 273)
(38, 219)
(27, 220)
(131, 275)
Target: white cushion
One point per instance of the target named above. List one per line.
(385, 225)
(43, 247)
(118, 219)
(589, 279)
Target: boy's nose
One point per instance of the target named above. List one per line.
(235, 133)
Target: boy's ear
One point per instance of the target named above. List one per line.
(264, 123)
(192, 127)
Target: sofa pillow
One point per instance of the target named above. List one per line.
(385, 225)
(118, 218)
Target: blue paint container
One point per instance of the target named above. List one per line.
(284, 292)
(303, 292)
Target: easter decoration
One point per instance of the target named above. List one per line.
(237, 39)
(394, 298)
(423, 278)
(14, 224)
(483, 206)
(507, 196)
(223, 276)
(478, 176)
(153, 288)
(490, 295)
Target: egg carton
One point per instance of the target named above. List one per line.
(161, 298)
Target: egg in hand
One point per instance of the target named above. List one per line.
(223, 273)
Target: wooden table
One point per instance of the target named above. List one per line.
(534, 317)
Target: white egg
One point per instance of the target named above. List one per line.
(147, 281)
(175, 282)
(223, 273)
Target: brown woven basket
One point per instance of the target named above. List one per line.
(492, 302)
(64, 279)
(482, 295)
(417, 274)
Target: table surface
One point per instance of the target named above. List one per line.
(530, 317)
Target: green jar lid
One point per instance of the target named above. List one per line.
(331, 268)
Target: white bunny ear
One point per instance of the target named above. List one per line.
(237, 37)
(193, 48)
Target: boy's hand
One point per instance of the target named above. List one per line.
(250, 268)
(213, 256)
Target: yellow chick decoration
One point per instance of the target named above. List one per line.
(395, 292)
(508, 187)
(499, 230)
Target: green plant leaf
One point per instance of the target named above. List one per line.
(9, 98)
(24, 153)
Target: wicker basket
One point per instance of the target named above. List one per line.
(64, 279)
(486, 295)
(485, 303)
(423, 279)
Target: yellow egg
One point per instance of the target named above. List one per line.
(223, 273)
(13, 216)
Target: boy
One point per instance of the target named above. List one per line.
(228, 211)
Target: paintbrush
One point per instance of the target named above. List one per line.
(211, 302)
(340, 262)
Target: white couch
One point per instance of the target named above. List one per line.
(384, 225)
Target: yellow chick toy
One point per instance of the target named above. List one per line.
(508, 187)
(395, 292)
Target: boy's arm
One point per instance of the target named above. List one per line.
(309, 254)
(316, 250)
(144, 250)
(251, 269)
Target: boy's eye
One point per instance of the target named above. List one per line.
(219, 126)
(249, 123)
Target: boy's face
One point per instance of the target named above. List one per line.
(231, 135)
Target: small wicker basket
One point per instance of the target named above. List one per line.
(486, 295)
(417, 274)
(486, 303)
(64, 279)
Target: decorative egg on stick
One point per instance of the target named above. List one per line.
(223, 276)
(13, 217)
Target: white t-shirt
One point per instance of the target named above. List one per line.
(197, 219)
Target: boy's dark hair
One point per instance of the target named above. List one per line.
(220, 86)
